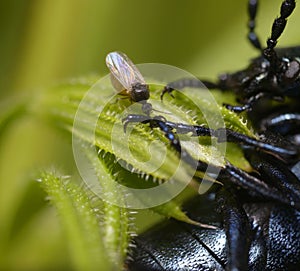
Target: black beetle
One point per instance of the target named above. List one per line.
(274, 75)
(273, 182)
(273, 229)
(258, 213)
(257, 231)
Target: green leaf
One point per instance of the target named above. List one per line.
(80, 221)
(140, 158)
(115, 218)
(98, 122)
(173, 209)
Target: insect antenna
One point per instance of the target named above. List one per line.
(287, 7)
(252, 36)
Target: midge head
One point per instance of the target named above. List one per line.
(126, 78)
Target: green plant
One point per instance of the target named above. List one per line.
(98, 233)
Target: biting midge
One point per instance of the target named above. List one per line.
(128, 80)
(273, 75)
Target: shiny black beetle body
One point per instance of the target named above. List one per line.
(256, 81)
(178, 246)
(257, 213)
(257, 229)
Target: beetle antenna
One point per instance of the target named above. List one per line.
(252, 36)
(287, 7)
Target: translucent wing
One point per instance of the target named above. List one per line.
(122, 69)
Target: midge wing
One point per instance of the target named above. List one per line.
(122, 68)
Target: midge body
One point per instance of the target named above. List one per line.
(273, 75)
(128, 80)
(253, 239)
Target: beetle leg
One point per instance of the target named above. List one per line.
(180, 84)
(226, 82)
(238, 108)
(189, 82)
(284, 123)
(282, 142)
(249, 103)
(256, 186)
(237, 229)
(276, 173)
(159, 122)
(227, 173)
(228, 135)
(133, 118)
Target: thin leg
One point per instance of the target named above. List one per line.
(224, 84)
(228, 135)
(254, 185)
(228, 173)
(237, 229)
(159, 122)
(247, 106)
(222, 134)
(276, 173)
(188, 82)
(238, 108)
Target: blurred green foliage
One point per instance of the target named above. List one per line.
(46, 41)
